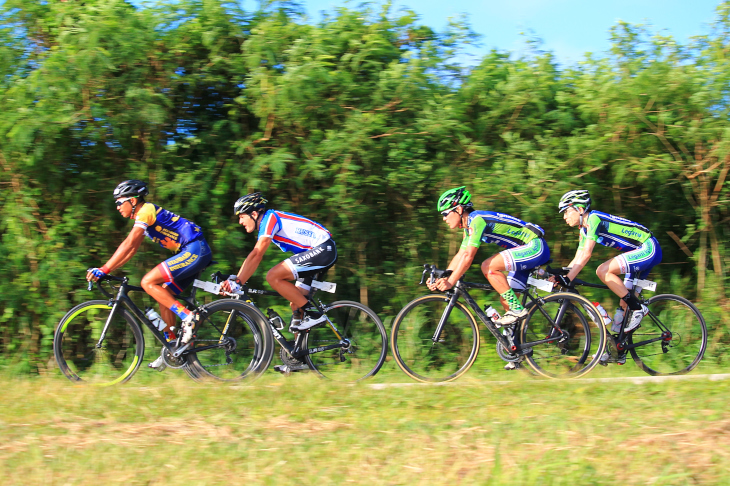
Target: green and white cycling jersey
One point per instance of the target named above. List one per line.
(498, 228)
(613, 232)
(526, 248)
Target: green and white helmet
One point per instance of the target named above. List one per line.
(579, 197)
(453, 198)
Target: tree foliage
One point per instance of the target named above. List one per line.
(359, 122)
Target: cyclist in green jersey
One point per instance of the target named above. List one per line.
(525, 249)
(642, 252)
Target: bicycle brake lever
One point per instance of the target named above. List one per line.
(426, 268)
(90, 286)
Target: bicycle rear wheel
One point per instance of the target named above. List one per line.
(367, 348)
(83, 358)
(232, 343)
(576, 354)
(688, 342)
(413, 346)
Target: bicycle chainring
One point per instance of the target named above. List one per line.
(292, 363)
(171, 361)
(506, 355)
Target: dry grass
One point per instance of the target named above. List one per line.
(304, 430)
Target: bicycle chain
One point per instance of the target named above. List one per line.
(214, 341)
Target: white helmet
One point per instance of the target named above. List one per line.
(579, 197)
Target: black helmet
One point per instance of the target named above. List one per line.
(249, 203)
(132, 188)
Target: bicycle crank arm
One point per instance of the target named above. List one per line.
(180, 351)
(520, 347)
(327, 348)
(644, 343)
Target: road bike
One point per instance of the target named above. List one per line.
(350, 345)
(436, 337)
(671, 339)
(101, 342)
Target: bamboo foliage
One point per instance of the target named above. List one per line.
(358, 122)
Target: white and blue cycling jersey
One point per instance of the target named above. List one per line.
(291, 232)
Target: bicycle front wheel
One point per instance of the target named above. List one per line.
(679, 353)
(83, 356)
(232, 343)
(582, 344)
(428, 358)
(365, 343)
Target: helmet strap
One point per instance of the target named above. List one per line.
(461, 217)
(134, 207)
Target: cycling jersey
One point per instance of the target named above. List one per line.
(613, 231)
(291, 232)
(498, 228)
(166, 228)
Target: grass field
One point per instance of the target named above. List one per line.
(488, 428)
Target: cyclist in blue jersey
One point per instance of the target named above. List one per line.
(525, 249)
(642, 252)
(312, 245)
(171, 277)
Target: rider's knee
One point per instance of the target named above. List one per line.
(602, 271)
(146, 282)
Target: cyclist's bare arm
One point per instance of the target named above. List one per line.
(582, 257)
(124, 253)
(251, 263)
(459, 265)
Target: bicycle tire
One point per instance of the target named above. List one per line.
(368, 343)
(412, 340)
(571, 358)
(689, 337)
(250, 349)
(76, 338)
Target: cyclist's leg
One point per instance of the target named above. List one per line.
(173, 276)
(493, 269)
(524, 260)
(636, 262)
(639, 261)
(304, 266)
(518, 261)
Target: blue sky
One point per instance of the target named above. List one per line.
(568, 28)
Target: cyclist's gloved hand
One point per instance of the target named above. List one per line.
(231, 285)
(563, 280)
(97, 272)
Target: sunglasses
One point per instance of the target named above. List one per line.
(122, 201)
(446, 213)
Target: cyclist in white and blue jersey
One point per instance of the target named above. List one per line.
(312, 245)
(642, 252)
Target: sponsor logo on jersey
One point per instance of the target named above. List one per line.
(630, 232)
(304, 232)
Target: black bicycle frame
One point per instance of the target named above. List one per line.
(123, 298)
(620, 338)
(295, 348)
(460, 289)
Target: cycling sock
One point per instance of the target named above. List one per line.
(180, 310)
(632, 301)
(512, 300)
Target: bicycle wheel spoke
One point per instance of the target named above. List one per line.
(77, 351)
(679, 353)
(422, 358)
(365, 343)
(575, 354)
(238, 339)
